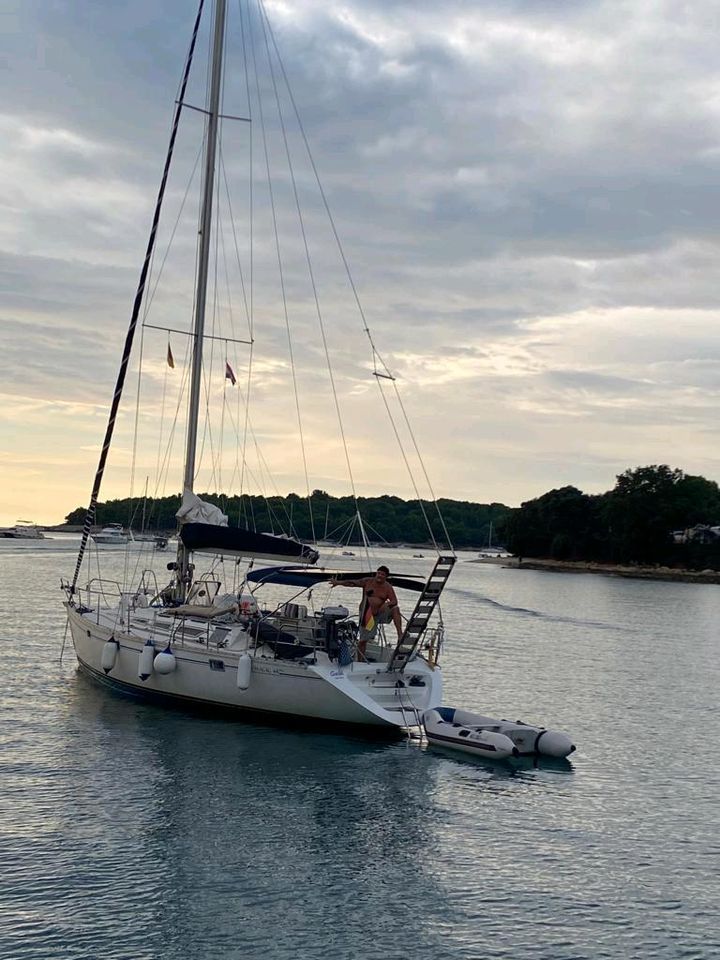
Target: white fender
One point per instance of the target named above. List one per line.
(109, 654)
(243, 671)
(165, 662)
(145, 661)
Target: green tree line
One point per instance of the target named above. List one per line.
(321, 516)
(632, 523)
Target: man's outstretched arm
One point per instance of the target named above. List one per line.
(346, 583)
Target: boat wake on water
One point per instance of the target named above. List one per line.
(535, 614)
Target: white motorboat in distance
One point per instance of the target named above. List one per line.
(495, 739)
(113, 533)
(23, 530)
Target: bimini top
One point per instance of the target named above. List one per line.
(302, 577)
(238, 542)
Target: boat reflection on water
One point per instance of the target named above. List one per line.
(509, 766)
(250, 814)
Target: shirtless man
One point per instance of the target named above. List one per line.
(379, 605)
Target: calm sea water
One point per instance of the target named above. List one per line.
(128, 831)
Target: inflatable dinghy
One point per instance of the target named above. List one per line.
(493, 739)
(466, 736)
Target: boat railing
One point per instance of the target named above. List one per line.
(435, 645)
(204, 590)
(409, 710)
(96, 593)
(148, 583)
(379, 649)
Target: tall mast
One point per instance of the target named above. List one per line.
(205, 231)
(184, 574)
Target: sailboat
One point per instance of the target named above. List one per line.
(492, 552)
(217, 641)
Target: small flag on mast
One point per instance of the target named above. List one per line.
(229, 375)
(170, 358)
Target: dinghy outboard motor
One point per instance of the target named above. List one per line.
(331, 616)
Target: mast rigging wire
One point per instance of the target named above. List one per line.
(281, 275)
(321, 324)
(375, 353)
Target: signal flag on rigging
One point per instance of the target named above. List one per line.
(170, 358)
(229, 375)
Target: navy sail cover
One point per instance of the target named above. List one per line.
(238, 542)
(302, 577)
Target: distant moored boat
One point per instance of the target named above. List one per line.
(23, 530)
(112, 533)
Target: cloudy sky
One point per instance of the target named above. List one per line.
(528, 196)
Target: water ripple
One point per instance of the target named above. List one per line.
(131, 832)
(525, 612)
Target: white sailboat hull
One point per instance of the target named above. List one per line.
(363, 694)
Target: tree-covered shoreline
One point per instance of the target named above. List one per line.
(386, 519)
(632, 523)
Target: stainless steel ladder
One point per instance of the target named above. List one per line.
(417, 624)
